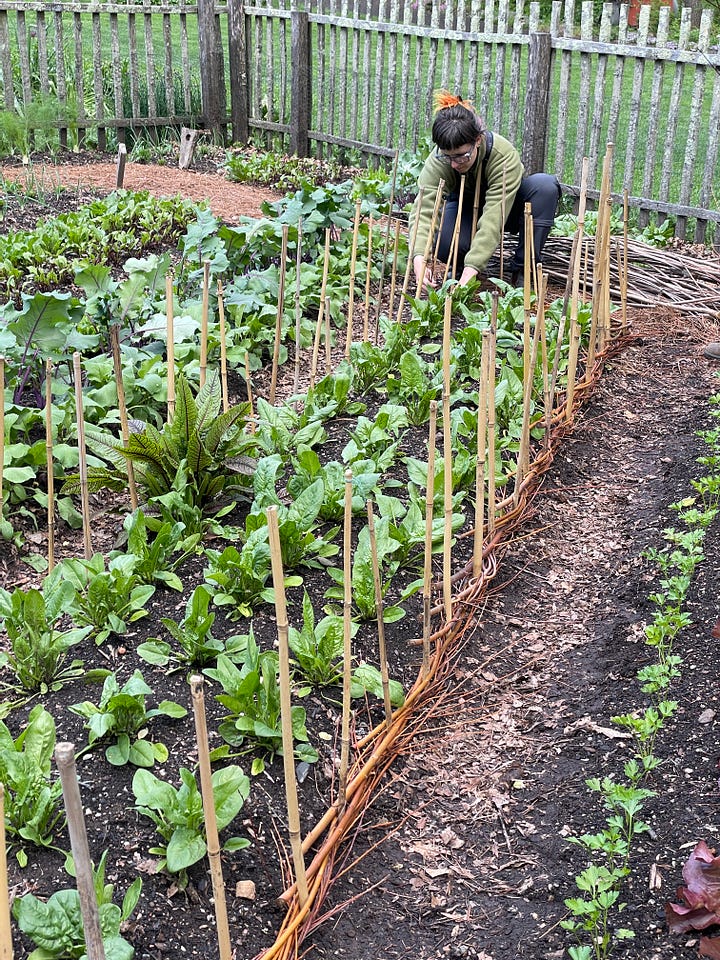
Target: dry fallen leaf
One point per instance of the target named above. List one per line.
(707, 716)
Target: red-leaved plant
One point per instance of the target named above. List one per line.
(701, 899)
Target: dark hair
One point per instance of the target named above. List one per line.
(455, 126)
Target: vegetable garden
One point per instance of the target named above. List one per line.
(242, 423)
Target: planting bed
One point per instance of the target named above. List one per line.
(463, 852)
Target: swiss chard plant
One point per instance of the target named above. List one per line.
(178, 814)
(121, 716)
(56, 926)
(33, 799)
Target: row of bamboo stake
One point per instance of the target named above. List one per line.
(499, 515)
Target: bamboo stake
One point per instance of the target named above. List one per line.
(170, 340)
(491, 413)
(572, 367)
(431, 234)
(393, 278)
(429, 514)
(411, 247)
(298, 313)
(351, 290)
(248, 384)
(65, 760)
(386, 246)
(573, 281)
(223, 348)
(447, 463)
(379, 614)
(456, 232)
(50, 467)
(122, 409)
(84, 494)
(523, 452)
(368, 273)
(624, 273)
(2, 435)
(211, 830)
(6, 950)
(286, 706)
(436, 248)
(480, 460)
(321, 311)
(204, 323)
(476, 207)
(597, 301)
(527, 302)
(547, 405)
(347, 645)
(278, 316)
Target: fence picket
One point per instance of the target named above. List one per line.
(694, 122)
(634, 114)
(564, 86)
(98, 81)
(79, 76)
(671, 122)
(655, 100)
(149, 63)
(60, 81)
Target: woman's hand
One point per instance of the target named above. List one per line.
(469, 273)
(423, 273)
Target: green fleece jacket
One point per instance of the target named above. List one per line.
(489, 225)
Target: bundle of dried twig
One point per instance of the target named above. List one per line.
(656, 277)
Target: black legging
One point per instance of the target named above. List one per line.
(540, 190)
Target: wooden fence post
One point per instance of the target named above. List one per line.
(300, 96)
(535, 127)
(212, 66)
(237, 60)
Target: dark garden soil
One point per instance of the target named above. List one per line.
(464, 851)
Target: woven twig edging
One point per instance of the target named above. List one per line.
(379, 748)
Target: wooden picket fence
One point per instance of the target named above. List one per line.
(358, 75)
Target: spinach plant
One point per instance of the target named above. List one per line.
(105, 600)
(178, 814)
(414, 388)
(198, 647)
(251, 693)
(57, 928)
(237, 578)
(308, 469)
(363, 583)
(38, 650)
(157, 557)
(33, 800)
(121, 715)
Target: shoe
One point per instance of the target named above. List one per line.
(712, 350)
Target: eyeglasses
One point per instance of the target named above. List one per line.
(455, 157)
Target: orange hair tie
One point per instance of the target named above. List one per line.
(442, 99)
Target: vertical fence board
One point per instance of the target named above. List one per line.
(473, 52)
(24, 58)
(635, 102)
(133, 66)
(487, 52)
(42, 52)
(270, 75)
(354, 83)
(168, 73)
(149, 63)
(98, 81)
(284, 60)
(655, 118)
(79, 75)
(671, 121)
(586, 33)
(709, 179)
(378, 90)
(60, 80)
(565, 77)
(513, 123)
(6, 62)
(498, 114)
(116, 65)
(691, 148)
(393, 77)
(598, 112)
(185, 60)
(618, 75)
(405, 87)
